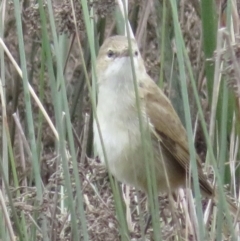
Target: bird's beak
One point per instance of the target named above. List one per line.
(125, 53)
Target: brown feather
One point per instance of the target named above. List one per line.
(170, 129)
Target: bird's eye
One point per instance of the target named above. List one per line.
(110, 53)
(136, 53)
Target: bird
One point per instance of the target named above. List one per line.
(122, 130)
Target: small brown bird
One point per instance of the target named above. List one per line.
(119, 122)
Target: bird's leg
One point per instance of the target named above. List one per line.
(148, 219)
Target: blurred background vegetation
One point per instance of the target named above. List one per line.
(52, 186)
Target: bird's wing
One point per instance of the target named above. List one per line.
(168, 127)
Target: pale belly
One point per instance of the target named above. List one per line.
(123, 156)
(128, 161)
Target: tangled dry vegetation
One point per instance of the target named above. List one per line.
(98, 199)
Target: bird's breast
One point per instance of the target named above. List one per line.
(126, 156)
(122, 140)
